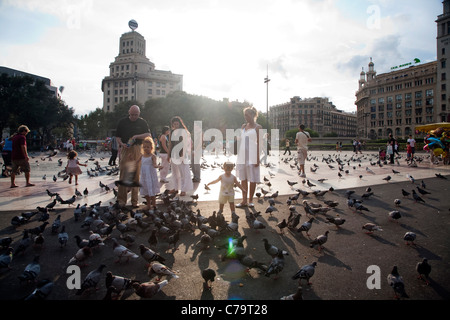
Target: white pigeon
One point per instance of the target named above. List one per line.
(122, 252)
(369, 170)
(160, 270)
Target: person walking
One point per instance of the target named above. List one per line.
(6, 155)
(19, 156)
(287, 147)
(180, 139)
(164, 151)
(114, 151)
(149, 176)
(302, 139)
(412, 143)
(248, 162)
(130, 132)
(72, 167)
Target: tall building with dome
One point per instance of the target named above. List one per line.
(132, 76)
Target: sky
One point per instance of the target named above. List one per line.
(223, 48)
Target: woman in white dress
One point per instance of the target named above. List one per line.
(180, 152)
(248, 162)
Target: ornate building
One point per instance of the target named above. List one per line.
(397, 101)
(317, 114)
(133, 76)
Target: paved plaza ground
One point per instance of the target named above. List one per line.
(343, 267)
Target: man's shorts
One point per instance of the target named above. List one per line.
(21, 164)
(224, 199)
(302, 154)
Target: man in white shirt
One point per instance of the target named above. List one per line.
(301, 140)
(412, 143)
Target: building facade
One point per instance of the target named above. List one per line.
(396, 102)
(443, 51)
(133, 76)
(48, 83)
(317, 114)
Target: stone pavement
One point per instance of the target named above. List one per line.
(342, 266)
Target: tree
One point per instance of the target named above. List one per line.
(25, 100)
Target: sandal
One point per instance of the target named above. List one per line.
(251, 205)
(241, 205)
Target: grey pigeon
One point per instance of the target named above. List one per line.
(272, 250)
(118, 282)
(43, 289)
(336, 221)
(394, 215)
(305, 273)
(409, 237)
(91, 280)
(149, 255)
(250, 263)
(32, 271)
(306, 226)
(416, 197)
(424, 270)
(276, 266)
(319, 240)
(371, 227)
(395, 280)
(63, 237)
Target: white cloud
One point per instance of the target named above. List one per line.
(222, 48)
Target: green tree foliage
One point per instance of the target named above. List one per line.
(24, 100)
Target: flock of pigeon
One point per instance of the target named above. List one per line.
(120, 231)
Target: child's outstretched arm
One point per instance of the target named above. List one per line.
(215, 181)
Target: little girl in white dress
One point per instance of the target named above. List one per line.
(149, 176)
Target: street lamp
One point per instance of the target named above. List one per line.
(266, 81)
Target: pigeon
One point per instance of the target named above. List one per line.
(122, 252)
(271, 209)
(276, 266)
(395, 280)
(149, 255)
(31, 272)
(38, 241)
(295, 296)
(305, 273)
(148, 289)
(416, 197)
(272, 250)
(360, 207)
(91, 280)
(250, 263)
(86, 192)
(63, 237)
(208, 275)
(424, 270)
(173, 239)
(81, 255)
(281, 225)
(409, 237)
(6, 258)
(366, 195)
(394, 215)
(405, 193)
(397, 202)
(5, 242)
(336, 221)
(395, 171)
(24, 243)
(160, 270)
(319, 241)
(306, 226)
(410, 177)
(292, 183)
(422, 191)
(440, 176)
(118, 282)
(56, 224)
(43, 288)
(388, 178)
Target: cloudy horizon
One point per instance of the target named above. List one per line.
(223, 49)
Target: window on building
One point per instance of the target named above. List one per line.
(408, 96)
(398, 97)
(443, 76)
(418, 94)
